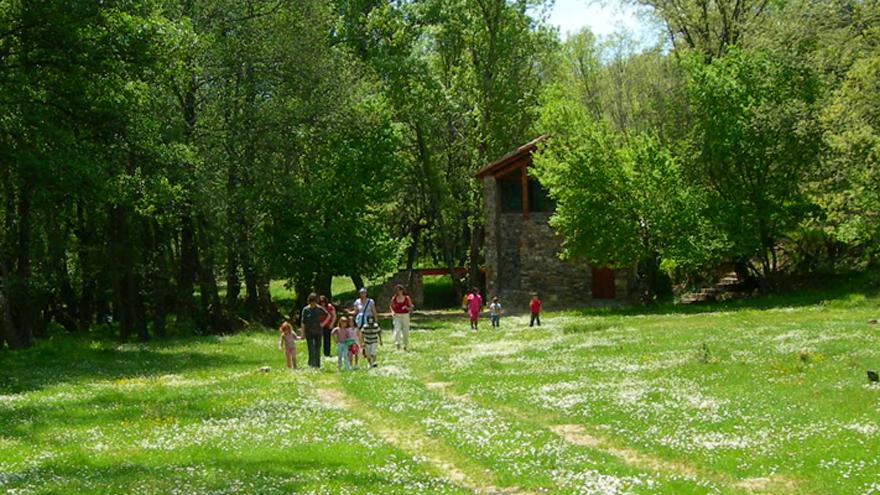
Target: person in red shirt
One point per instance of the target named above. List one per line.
(327, 322)
(535, 309)
(401, 307)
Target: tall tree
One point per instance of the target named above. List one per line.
(758, 144)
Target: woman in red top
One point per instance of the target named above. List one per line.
(401, 307)
(327, 323)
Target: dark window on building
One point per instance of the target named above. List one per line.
(539, 198)
(511, 193)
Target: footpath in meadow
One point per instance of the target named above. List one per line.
(484, 445)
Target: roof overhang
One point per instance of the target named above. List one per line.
(501, 165)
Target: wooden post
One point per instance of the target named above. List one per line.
(524, 176)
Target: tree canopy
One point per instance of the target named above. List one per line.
(162, 161)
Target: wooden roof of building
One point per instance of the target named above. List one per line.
(501, 165)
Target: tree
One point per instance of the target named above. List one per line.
(463, 79)
(621, 199)
(709, 27)
(850, 189)
(69, 88)
(757, 146)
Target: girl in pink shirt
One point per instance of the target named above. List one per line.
(474, 304)
(344, 338)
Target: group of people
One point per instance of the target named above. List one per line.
(473, 304)
(356, 332)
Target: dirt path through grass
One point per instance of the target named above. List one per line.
(580, 435)
(411, 440)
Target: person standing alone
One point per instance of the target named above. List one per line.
(311, 319)
(535, 310)
(401, 307)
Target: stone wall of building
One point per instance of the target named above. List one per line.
(492, 206)
(558, 282)
(522, 256)
(510, 237)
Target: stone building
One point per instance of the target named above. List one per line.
(522, 250)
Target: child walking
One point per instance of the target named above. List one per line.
(288, 343)
(371, 335)
(535, 309)
(474, 304)
(495, 311)
(344, 338)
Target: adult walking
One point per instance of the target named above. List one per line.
(401, 307)
(310, 325)
(365, 308)
(327, 323)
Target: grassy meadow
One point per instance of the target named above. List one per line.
(765, 397)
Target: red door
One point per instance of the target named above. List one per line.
(603, 283)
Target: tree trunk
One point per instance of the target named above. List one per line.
(156, 301)
(138, 310)
(210, 297)
(235, 221)
(323, 285)
(63, 300)
(652, 280)
(358, 282)
(252, 293)
(189, 266)
(302, 295)
(8, 332)
(22, 299)
(121, 272)
(412, 252)
(233, 283)
(85, 233)
(270, 314)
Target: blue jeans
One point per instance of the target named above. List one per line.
(342, 355)
(495, 319)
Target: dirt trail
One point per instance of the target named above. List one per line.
(579, 435)
(414, 442)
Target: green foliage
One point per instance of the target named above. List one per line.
(156, 155)
(758, 143)
(621, 190)
(849, 188)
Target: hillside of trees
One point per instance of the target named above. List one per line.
(161, 161)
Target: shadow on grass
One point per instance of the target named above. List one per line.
(114, 407)
(221, 474)
(70, 359)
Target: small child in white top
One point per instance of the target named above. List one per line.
(495, 311)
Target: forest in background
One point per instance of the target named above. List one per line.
(161, 161)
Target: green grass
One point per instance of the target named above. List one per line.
(767, 396)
